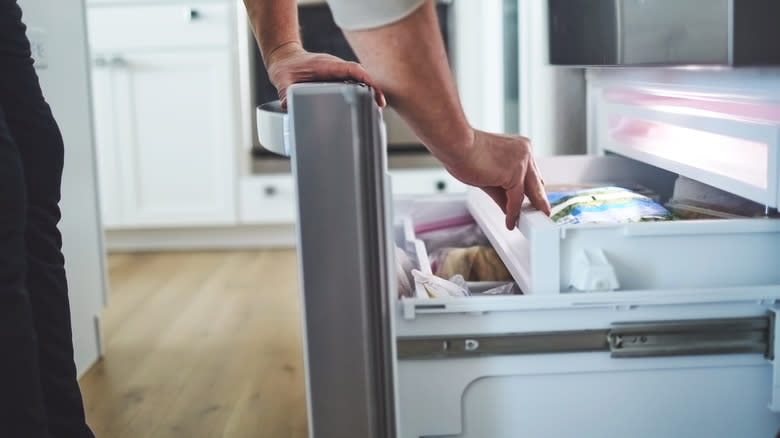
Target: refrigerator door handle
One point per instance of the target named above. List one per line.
(273, 128)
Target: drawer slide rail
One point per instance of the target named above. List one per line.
(621, 340)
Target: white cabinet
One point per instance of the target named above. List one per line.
(164, 119)
(414, 182)
(107, 161)
(268, 199)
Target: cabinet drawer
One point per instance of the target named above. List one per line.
(268, 199)
(159, 26)
(424, 182)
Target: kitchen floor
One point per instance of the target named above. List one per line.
(200, 344)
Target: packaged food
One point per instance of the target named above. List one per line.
(604, 205)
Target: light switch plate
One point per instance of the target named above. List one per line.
(38, 47)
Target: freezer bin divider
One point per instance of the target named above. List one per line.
(621, 340)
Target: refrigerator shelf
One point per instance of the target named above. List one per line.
(729, 140)
(544, 258)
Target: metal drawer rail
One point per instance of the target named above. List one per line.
(622, 340)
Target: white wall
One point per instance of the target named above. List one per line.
(477, 60)
(552, 99)
(60, 25)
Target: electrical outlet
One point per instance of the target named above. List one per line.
(39, 47)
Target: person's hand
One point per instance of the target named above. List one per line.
(291, 64)
(503, 167)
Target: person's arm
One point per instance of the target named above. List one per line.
(275, 24)
(408, 61)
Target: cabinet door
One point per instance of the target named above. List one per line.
(106, 142)
(175, 137)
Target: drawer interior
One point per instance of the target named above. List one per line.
(545, 258)
(439, 236)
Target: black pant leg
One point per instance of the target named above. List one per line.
(34, 129)
(22, 411)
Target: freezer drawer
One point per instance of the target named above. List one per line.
(688, 356)
(675, 362)
(546, 258)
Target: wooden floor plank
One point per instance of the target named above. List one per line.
(201, 344)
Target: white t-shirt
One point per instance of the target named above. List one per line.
(367, 14)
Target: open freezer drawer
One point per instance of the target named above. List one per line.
(687, 353)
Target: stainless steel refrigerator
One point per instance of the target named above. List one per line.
(646, 329)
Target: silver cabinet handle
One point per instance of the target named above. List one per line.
(100, 62)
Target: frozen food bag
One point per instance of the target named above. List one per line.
(604, 205)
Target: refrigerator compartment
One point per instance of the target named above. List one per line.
(546, 258)
(719, 140)
(547, 365)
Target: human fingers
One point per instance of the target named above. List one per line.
(379, 97)
(283, 97)
(514, 201)
(344, 70)
(534, 189)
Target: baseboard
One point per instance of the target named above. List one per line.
(181, 239)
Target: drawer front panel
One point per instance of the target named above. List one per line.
(268, 199)
(424, 182)
(499, 396)
(159, 26)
